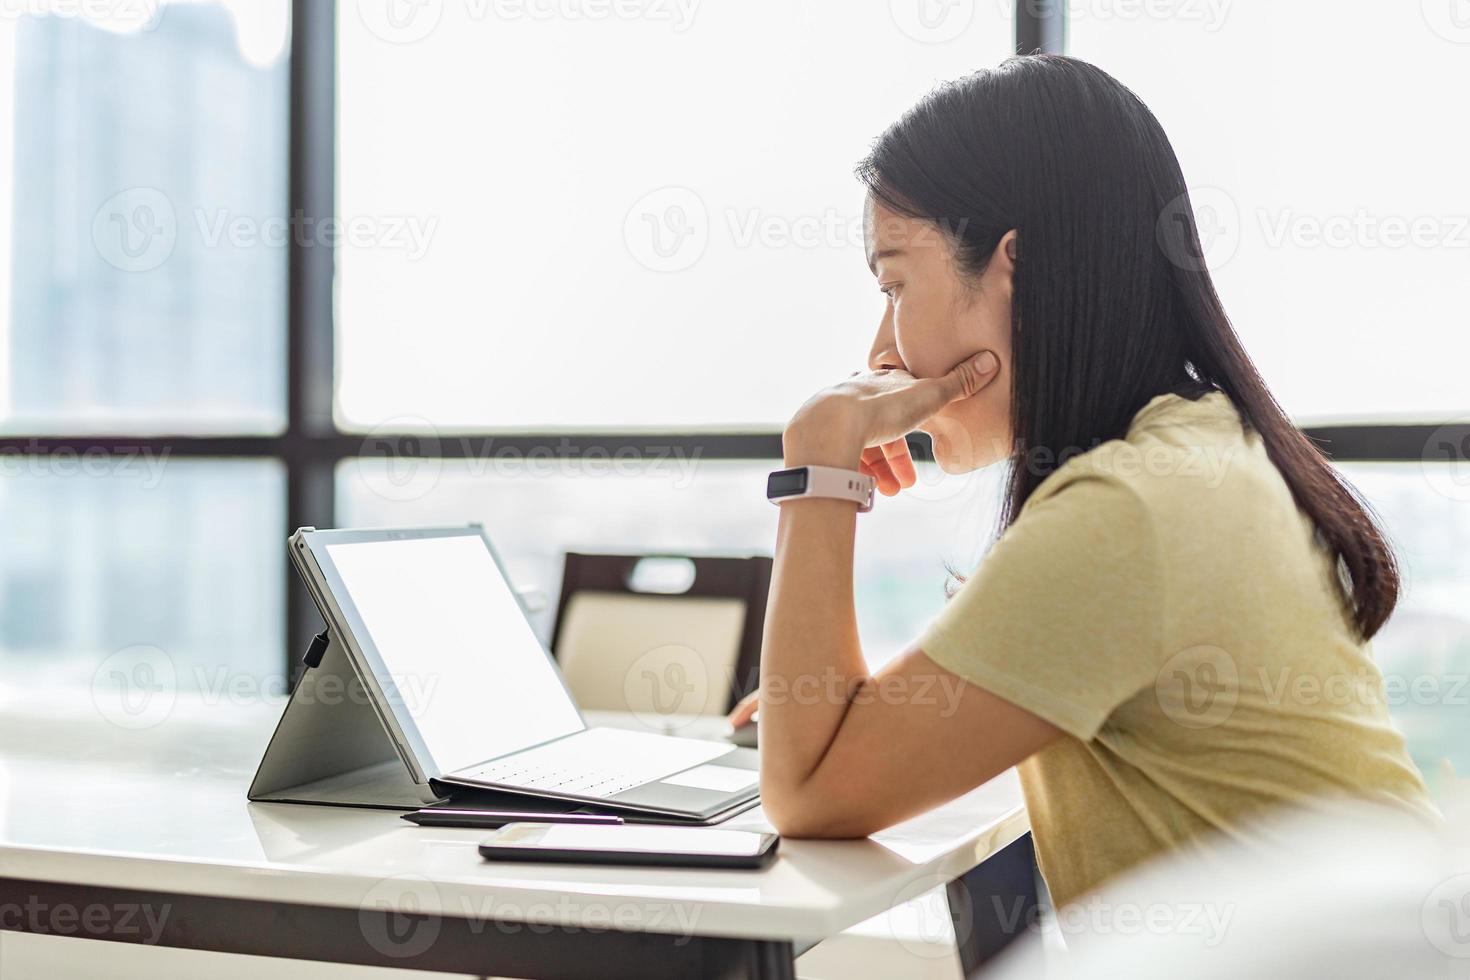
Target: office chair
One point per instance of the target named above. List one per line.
(627, 641)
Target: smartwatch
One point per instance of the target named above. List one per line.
(821, 481)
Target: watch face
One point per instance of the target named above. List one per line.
(786, 483)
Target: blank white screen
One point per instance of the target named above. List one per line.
(472, 674)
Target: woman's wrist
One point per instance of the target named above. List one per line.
(821, 442)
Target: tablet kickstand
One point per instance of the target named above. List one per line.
(330, 746)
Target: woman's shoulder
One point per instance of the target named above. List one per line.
(1175, 449)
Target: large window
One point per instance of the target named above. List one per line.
(143, 177)
(664, 190)
(1424, 650)
(564, 269)
(1328, 180)
(142, 170)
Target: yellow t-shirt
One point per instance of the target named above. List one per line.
(1163, 602)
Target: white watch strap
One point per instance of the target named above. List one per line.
(824, 481)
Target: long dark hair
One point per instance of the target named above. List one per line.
(1112, 302)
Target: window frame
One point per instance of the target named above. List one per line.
(312, 445)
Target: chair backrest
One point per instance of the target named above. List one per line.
(626, 646)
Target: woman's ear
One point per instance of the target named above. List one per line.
(1005, 249)
(1001, 269)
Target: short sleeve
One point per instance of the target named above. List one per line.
(1064, 616)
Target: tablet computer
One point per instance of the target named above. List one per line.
(469, 694)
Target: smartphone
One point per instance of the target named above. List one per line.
(678, 847)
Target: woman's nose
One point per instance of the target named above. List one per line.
(884, 352)
(884, 357)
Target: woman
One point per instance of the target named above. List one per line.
(1178, 568)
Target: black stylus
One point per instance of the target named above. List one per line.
(446, 817)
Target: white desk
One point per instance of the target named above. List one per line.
(98, 816)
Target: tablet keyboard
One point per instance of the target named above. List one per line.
(597, 763)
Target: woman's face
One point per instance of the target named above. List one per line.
(935, 316)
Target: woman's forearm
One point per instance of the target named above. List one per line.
(811, 661)
(811, 657)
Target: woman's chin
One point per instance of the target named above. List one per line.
(956, 450)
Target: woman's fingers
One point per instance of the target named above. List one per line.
(968, 377)
(875, 464)
(930, 395)
(741, 713)
(904, 402)
(891, 465)
(900, 462)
